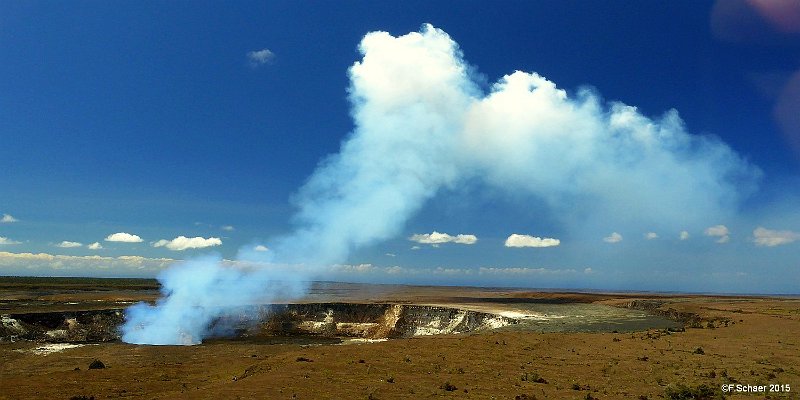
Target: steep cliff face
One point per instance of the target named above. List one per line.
(377, 321)
(58, 327)
(370, 321)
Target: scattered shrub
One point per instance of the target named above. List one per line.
(82, 397)
(303, 359)
(575, 386)
(525, 397)
(699, 350)
(532, 377)
(448, 387)
(97, 364)
(700, 392)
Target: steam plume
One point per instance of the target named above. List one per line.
(423, 125)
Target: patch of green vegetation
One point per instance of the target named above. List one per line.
(699, 392)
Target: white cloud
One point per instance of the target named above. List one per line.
(260, 57)
(5, 240)
(181, 243)
(370, 269)
(7, 219)
(719, 231)
(613, 238)
(771, 238)
(391, 255)
(415, 247)
(523, 271)
(588, 270)
(260, 247)
(465, 239)
(95, 246)
(67, 244)
(42, 263)
(517, 240)
(436, 238)
(651, 235)
(684, 235)
(123, 237)
(228, 228)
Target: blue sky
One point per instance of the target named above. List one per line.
(162, 120)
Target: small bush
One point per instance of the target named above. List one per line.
(699, 350)
(532, 377)
(390, 379)
(97, 364)
(575, 386)
(448, 387)
(82, 397)
(525, 397)
(700, 392)
(303, 359)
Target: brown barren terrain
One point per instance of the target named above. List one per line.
(728, 339)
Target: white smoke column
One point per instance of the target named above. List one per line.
(410, 96)
(421, 125)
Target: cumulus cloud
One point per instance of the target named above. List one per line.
(260, 57)
(5, 240)
(436, 238)
(260, 247)
(49, 264)
(719, 231)
(123, 237)
(684, 235)
(7, 219)
(517, 240)
(651, 235)
(614, 237)
(181, 243)
(771, 238)
(95, 246)
(370, 269)
(67, 244)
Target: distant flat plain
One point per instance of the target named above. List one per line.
(750, 340)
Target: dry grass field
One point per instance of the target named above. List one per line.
(737, 340)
